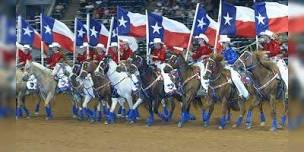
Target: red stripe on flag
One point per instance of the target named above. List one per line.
(278, 25)
(64, 41)
(103, 40)
(172, 39)
(295, 24)
(245, 29)
(37, 43)
(138, 31)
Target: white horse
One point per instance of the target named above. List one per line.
(123, 88)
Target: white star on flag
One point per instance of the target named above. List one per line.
(201, 23)
(227, 19)
(122, 22)
(47, 29)
(114, 33)
(27, 31)
(156, 28)
(260, 19)
(80, 33)
(93, 32)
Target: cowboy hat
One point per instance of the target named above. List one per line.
(202, 36)
(114, 44)
(267, 33)
(55, 44)
(84, 45)
(224, 39)
(157, 40)
(26, 47)
(99, 45)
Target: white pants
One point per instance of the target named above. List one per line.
(283, 70)
(31, 83)
(204, 83)
(236, 79)
(135, 81)
(169, 86)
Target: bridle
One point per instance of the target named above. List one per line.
(240, 59)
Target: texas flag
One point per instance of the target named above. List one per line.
(131, 24)
(271, 16)
(237, 21)
(113, 34)
(172, 33)
(295, 17)
(204, 24)
(81, 32)
(98, 33)
(29, 35)
(56, 31)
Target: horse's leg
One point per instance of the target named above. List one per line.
(249, 116)
(171, 110)
(18, 106)
(122, 109)
(274, 124)
(228, 115)
(132, 112)
(86, 109)
(111, 117)
(98, 111)
(185, 115)
(241, 103)
(24, 109)
(224, 112)
(262, 115)
(37, 106)
(150, 119)
(191, 116)
(206, 114)
(284, 116)
(47, 105)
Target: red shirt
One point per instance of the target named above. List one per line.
(160, 54)
(54, 59)
(201, 51)
(99, 57)
(113, 55)
(81, 58)
(126, 54)
(23, 57)
(273, 47)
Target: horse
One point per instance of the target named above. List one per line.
(152, 91)
(268, 85)
(101, 87)
(46, 83)
(222, 89)
(21, 93)
(188, 84)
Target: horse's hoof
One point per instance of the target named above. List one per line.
(131, 122)
(36, 113)
(74, 117)
(220, 128)
(180, 125)
(235, 126)
(17, 118)
(28, 117)
(280, 126)
(273, 129)
(262, 124)
(47, 118)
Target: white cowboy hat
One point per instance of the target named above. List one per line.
(114, 44)
(202, 36)
(126, 41)
(26, 47)
(99, 45)
(55, 44)
(178, 48)
(84, 45)
(267, 33)
(224, 38)
(157, 40)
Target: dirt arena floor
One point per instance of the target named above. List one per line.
(63, 134)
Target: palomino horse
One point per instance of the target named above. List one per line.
(21, 93)
(101, 87)
(189, 84)
(266, 81)
(46, 84)
(152, 91)
(223, 90)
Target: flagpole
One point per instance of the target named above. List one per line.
(75, 39)
(147, 38)
(88, 35)
(218, 28)
(110, 35)
(41, 42)
(18, 37)
(256, 34)
(192, 30)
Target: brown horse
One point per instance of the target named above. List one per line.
(223, 90)
(266, 81)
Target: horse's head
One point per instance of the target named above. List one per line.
(248, 60)
(176, 60)
(28, 70)
(137, 60)
(213, 66)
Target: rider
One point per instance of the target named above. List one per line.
(201, 53)
(82, 57)
(113, 51)
(272, 47)
(159, 58)
(24, 56)
(100, 53)
(125, 50)
(230, 56)
(61, 73)
(56, 56)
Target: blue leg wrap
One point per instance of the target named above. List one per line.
(239, 121)
(283, 120)
(223, 121)
(262, 117)
(123, 112)
(137, 113)
(111, 117)
(274, 124)
(75, 110)
(249, 118)
(228, 117)
(132, 115)
(150, 119)
(105, 110)
(185, 117)
(80, 114)
(99, 116)
(48, 111)
(18, 112)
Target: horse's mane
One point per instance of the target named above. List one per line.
(41, 67)
(261, 58)
(219, 59)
